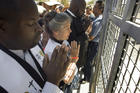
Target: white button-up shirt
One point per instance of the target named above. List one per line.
(15, 79)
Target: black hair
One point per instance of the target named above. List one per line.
(89, 7)
(40, 3)
(8, 9)
(100, 5)
(60, 8)
(76, 6)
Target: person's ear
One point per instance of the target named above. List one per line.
(2, 26)
(55, 33)
(100, 11)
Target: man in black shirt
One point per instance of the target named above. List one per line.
(79, 25)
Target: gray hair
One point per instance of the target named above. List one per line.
(59, 21)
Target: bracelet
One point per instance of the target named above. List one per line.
(75, 57)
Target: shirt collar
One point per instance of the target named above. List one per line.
(98, 17)
(19, 53)
(71, 13)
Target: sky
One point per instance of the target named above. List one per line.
(88, 0)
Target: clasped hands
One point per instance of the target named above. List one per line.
(57, 67)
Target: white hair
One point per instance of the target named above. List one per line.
(59, 21)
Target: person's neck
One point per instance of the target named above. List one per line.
(9, 46)
(96, 15)
(91, 13)
(4, 44)
(58, 41)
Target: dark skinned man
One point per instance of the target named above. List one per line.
(19, 31)
(79, 26)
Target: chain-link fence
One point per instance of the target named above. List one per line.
(118, 69)
(128, 76)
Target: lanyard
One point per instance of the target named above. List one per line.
(31, 71)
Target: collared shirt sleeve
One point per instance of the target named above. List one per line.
(51, 88)
(95, 29)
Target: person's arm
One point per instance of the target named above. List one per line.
(91, 38)
(95, 31)
(74, 54)
(89, 29)
(74, 51)
(56, 69)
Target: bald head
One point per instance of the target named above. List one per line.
(77, 7)
(18, 24)
(10, 9)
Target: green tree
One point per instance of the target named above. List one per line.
(91, 2)
(64, 2)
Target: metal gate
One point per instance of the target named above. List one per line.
(117, 65)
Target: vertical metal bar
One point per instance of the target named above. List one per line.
(116, 62)
(103, 74)
(128, 10)
(103, 35)
(101, 43)
(120, 66)
(107, 10)
(96, 74)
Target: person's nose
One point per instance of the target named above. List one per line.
(70, 30)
